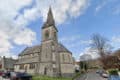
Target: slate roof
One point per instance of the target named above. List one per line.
(62, 48)
(29, 50)
(37, 49)
(30, 60)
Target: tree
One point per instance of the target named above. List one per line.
(100, 44)
(111, 61)
(82, 65)
(86, 66)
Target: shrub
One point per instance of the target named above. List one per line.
(76, 75)
(119, 69)
(113, 72)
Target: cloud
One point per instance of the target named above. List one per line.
(100, 6)
(62, 9)
(104, 3)
(10, 7)
(89, 53)
(14, 23)
(71, 38)
(115, 41)
(74, 41)
(4, 43)
(85, 57)
(71, 41)
(25, 37)
(78, 7)
(13, 31)
(87, 42)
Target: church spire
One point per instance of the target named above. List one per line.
(50, 20)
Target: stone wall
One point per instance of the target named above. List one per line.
(46, 69)
(67, 70)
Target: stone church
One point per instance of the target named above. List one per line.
(50, 58)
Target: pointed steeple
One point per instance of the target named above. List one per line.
(50, 20)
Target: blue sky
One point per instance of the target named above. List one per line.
(76, 21)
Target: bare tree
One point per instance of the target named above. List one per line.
(100, 44)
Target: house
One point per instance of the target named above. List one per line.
(7, 63)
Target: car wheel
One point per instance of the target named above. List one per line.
(18, 79)
(30, 79)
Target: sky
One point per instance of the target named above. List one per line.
(76, 21)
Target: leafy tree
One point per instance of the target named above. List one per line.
(81, 65)
(86, 66)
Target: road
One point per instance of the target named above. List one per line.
(88, 76)
(91, 76)
(94, 76)
(3, 79)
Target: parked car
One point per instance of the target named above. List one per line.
(105, 75)
(97, 71)
(6, 74)
(101, 72)
(20, 76)
(1, 73)
(114, 77)
(16, 75)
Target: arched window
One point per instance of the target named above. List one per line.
(47, 34)
(32, 66)
(54, 56)
(55, 35)
(53, 47)
(63, 57)
(69, 58)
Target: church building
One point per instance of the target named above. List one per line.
(51, 58)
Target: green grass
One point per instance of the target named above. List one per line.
(49, 78)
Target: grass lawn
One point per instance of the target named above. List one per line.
(49, 78)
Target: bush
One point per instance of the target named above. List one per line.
(119, 69)
(76, 71)
(113, 72)
(76, 75)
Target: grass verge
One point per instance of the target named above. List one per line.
(49, 78)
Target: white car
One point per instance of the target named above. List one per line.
(105, 75)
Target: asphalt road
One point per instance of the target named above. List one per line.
(91, 76)
(3, 79)
(88, 76)
(94, 76)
